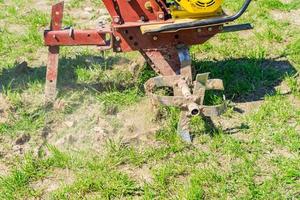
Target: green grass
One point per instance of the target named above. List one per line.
(30, 169)
(259, 161)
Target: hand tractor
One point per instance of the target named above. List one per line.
(162, 31)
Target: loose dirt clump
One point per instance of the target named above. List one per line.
(24, 138)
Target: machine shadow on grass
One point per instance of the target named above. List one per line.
(20, 76)
(245, 80)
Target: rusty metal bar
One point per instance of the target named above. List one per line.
(77, 37)
(183, 127)
(186, 92)
(52, 65)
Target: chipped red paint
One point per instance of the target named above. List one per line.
(57, 16)
(52, 63)
(76, 37)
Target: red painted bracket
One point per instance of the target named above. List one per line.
(77, 37)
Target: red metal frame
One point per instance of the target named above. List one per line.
(132, 39)
(77, 37)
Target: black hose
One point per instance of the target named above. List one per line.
(200, 23)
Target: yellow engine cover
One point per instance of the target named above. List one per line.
(197, 8)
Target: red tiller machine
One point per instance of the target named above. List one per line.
(162, 32)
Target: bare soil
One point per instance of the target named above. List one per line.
(293, 17)
(4, 108)
(4, 169)
(59, 178)
(140, 174)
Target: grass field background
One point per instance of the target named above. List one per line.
(103, 141)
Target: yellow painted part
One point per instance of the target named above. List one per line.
(200, 6)
(182, 14)
(197, 9)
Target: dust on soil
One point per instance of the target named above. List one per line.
(85, 129)
(139, 126)
(89, 129)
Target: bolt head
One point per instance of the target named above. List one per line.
(155, 38)
(199, 30)
(161, 16)
(117, 19)
(148, 5)
(210, 29)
